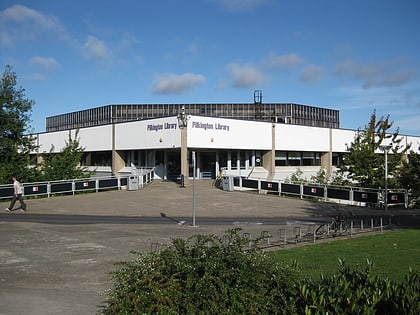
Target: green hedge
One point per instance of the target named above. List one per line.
(217, 275)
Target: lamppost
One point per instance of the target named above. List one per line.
(183, 123)
(193, 158)
(386, 148)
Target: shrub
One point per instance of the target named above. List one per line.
(356, 291)
(204, 275)
(225, 275)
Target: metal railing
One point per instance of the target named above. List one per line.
(349, 194)
(73, 186)
(293, 234)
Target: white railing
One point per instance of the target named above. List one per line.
(73, 186)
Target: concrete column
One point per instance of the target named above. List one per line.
(184, 155)
(118, 161)
(39, 161)
(326, 157)
(269, 157)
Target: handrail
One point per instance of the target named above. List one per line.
(353, 195)
(95, 184)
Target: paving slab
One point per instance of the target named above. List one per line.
(65, 268)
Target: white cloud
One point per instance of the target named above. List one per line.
(312, 74)
(95, 48)
(21, 14)
(288, 61)
(390, 79)
(175, 84)
(388, 73)
(244, 76)
(19, 22)
(43, 62)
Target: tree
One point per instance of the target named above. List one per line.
(64, 165)
(15, 146)
(363, 164)
(409, 177)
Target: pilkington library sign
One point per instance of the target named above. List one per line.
(206, 126)
(157, 127)
(194, 124)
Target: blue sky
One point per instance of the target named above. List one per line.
(355, 56)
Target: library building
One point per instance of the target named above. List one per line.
(254, 140)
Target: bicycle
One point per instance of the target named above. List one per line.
(338, 223)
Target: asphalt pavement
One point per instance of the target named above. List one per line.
(57, 257)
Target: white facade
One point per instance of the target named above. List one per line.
(92, 139)
(218, 133)
(249, 148)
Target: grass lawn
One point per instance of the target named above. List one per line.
(392, 254)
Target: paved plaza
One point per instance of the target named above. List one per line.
(63, 267)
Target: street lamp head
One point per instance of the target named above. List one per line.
(182, 118)
(385, 147)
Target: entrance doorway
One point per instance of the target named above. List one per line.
(174, 166)
(207, 165)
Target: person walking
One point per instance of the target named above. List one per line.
(17, 195)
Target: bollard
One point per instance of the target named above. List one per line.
(282, 235)
(371, 223)
(361, 224)
(381, 225)
(298, 234)
(266, 235)
(314, 232)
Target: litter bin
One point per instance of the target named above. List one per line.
(133, 182)
(227, 183)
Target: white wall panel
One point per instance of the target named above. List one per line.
(301, 138)
(341, 138)
(96, 138)
(91, 139)
(148, 134)
(57, 140)
(209, 132)
(414, 141)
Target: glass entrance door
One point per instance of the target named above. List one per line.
(174, 166)
(208, 165)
